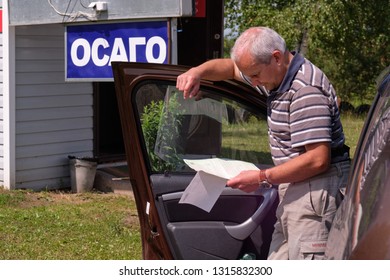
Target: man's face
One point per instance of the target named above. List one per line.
(267, 75)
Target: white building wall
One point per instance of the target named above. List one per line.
(54, 118)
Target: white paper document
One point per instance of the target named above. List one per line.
(210, 180)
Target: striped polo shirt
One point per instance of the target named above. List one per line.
(303, 110)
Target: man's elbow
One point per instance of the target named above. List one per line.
(323, 165)
(320, 156)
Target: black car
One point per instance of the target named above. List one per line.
(228, 120)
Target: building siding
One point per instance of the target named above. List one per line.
(54, 118)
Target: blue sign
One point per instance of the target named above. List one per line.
(91, 48)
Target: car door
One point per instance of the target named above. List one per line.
(226, 120)
(361, 227)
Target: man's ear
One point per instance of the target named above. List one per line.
(277, 55)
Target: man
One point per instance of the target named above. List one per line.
(305, 136)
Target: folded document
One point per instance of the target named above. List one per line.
(210, 180)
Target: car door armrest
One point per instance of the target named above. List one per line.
(243, 230)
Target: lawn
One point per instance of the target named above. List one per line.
(352, 125)
(66, 226)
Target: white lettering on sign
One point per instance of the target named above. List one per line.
(156, 40)
(82, 52)
(95, 51)
(118, 51)
(133, 43)
(80, 43)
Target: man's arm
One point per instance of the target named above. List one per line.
(314, 161)
(213, 70)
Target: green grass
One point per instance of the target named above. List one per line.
(65, 226)
(253, 139)
(352, 125)
(246, 141)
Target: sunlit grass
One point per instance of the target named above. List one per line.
(252, 137)
(352, 125)
(246, 141)
(65, 226)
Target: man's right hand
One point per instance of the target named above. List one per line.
(214, 70)
(189, 83)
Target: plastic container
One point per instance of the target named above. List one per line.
(82, 174)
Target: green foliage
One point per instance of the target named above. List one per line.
(150, 123)
(349, 40)
(227, 46)
(157, 118)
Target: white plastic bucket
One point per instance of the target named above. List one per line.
(82, 175)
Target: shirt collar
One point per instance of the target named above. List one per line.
(292, 70)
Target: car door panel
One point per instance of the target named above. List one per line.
(233, 224)
(229, 208)
(160, 129)
(233, 205)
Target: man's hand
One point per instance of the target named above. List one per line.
(213, 70)
(247, 181)
(315, 161)
(189, 83)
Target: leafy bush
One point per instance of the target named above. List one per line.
(161, 126)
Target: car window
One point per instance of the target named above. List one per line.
(209, 125)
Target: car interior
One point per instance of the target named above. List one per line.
(211, 125)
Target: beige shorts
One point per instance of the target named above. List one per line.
(305, 214)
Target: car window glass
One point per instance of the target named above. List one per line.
(210, 125)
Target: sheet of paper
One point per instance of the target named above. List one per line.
(210, 180)
(224, 168)
(203, 191)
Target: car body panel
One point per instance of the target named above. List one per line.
(361, 228)
(219, 123)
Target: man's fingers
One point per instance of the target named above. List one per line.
(188, 85)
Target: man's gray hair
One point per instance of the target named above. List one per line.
(261, 42)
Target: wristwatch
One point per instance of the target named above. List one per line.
(263, 180)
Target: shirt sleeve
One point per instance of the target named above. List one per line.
(310, 117)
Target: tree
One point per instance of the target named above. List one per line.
(349, 40)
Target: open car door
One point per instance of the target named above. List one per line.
(161, 128)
